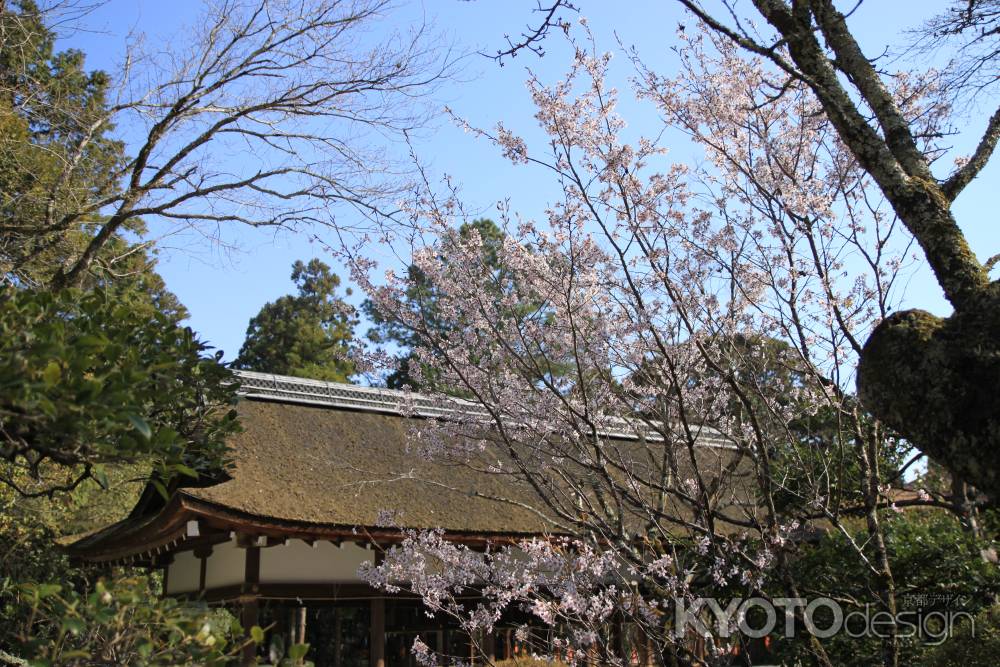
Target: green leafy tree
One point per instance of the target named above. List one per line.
(971, 643)
(89, 379)
(99, 385)
(422, 300)
(121, 622)
(98, 391)
(939, 568)
(308, 334)
(55, 151)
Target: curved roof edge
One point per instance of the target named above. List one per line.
(140, 540)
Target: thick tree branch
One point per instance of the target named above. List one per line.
(853, 63)
(900, 171)
(962, 176)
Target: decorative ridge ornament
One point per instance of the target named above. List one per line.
(289, 389)
(335, 394)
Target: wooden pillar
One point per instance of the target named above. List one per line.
(650, 651)
(249, 613)
(338, 635)
(619, 641)
(490, 639)
(250, 602)
(302, 625)
(643, 646)
(377, 636)
(202, 553)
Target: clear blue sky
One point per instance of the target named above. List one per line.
(224, 287)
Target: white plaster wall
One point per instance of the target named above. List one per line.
(226, 566)
(184, 574)
(297, 562)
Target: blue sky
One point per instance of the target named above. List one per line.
(224, 286)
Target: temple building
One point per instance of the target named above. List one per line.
(280, 540)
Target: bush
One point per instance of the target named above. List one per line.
(121, 622)
(970, 645)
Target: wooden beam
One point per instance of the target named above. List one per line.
(250, 601)
(320, 591)
(168, 531)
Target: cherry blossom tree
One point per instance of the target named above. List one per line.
(706, 323)
(928, 377)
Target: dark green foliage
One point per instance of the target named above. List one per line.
(937, 567)
(974, 643)
(56, 151)
(95, 378)
(120, 622)
(422, 299)
(817, 450)
(306, 335)
(31, 527)
(52, 112)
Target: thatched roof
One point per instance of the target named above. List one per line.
(322, 460)
(343, 467)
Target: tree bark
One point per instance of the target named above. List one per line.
(933, 380)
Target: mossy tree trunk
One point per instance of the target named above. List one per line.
(934, 380)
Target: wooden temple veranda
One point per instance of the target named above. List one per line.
(280, 540)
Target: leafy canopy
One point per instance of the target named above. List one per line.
(309, 334)
(56, 150)
(95, 378)
(121, 622)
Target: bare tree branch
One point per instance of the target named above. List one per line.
(532, 38)
(268, 112)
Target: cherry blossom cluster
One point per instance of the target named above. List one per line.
(664, 359)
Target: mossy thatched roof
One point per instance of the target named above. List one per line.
(325, 461)
(321, 465)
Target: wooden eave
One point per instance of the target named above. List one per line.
(146, 540)
(136, 539)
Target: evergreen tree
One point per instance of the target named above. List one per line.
(51, 116)
(306, 335)
(422, 299)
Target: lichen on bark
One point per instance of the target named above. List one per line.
(934, 380)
